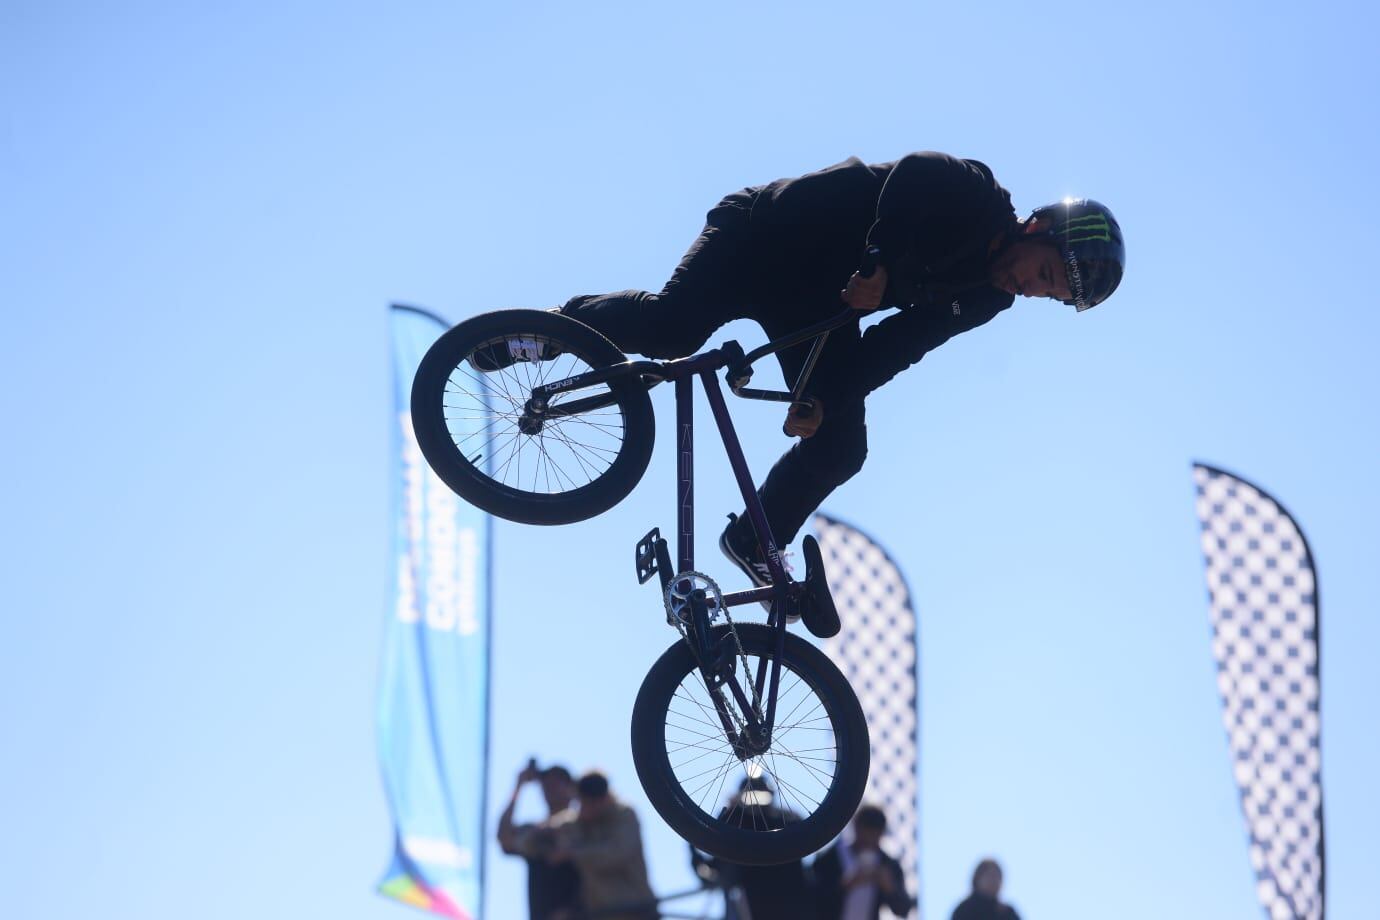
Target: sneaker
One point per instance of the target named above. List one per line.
(490, 358)
(742, 550)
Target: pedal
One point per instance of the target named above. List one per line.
(817, 610)
(647, 555)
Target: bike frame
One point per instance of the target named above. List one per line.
(717, 669)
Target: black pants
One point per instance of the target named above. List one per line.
(720, 279)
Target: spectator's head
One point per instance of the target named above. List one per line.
(869, 824)
(558, 788)
(753, 792)
(987, 878)
(594, 794)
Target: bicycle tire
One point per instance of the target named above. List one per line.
(711, 833)
(450, 364)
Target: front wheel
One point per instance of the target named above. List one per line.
(469, 401)
(772, 807)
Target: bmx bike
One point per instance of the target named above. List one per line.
(747, 739)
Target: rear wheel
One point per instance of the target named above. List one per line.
(772, 807)
(468, 401)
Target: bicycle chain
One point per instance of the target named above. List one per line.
(720, 608)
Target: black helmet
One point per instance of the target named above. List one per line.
(1089, 240)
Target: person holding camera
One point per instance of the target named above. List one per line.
(553, 886)
(603, 841)
(855, 878)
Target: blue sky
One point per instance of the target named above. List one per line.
(205, 209)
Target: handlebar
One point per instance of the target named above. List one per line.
(739, 373)
(737, 366)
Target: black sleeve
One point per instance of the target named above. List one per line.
(908, 335)
(932, 205)
(899, 902)
(911, 198)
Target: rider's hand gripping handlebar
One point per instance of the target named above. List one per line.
(739, 371)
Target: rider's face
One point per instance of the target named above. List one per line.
(1031, 268)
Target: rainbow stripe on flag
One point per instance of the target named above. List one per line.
(403, 884)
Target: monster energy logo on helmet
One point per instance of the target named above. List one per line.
(1089, 239)
(1087, 228)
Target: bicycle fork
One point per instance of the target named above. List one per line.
(693, 613)
(718, 665)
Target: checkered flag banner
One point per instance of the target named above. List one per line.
(1264, 600)
(876, 651)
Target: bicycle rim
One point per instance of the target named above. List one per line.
(787, 783)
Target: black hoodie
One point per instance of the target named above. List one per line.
(934, 217)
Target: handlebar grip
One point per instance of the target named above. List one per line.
(872, 257)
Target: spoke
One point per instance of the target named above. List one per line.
(719, 793)
(584, 419)
(546, 370)
(502, 378)
(683, 746)
(527, 371)
(486, 417)
(613, 451)
(698, 734)
(711, 720)
(515, 441)
(706, 753)
(711, 716)
(802, 702)
(783, 730)
(489, 385)
(783, 787)
(473, 434)
(790, 752)
(541, 455)
(811, 771)
(481, 396)
(484, 387)
(551, 464)
(695, 776)
(801, 798)
(713, 725)
(555, 432)
(728, 760)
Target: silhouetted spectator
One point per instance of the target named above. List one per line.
(604, 842)
(855, 878)
(779, 892)
(553, 888)
(984, 903)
